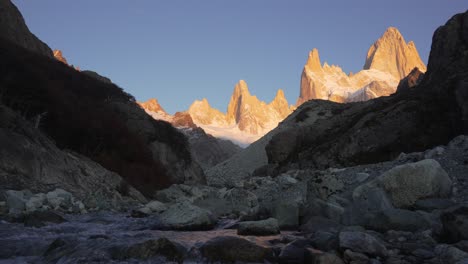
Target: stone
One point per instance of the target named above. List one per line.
(229, 249)
(287, 215)
(293, 252)
(156, 207)
(3, 208)
(363, 243)
(42, 218)
(259, 228)
(397, 219)
(315, 224)
(433, 204)
(318, 207)
(408, 183)
(355, 257)
(449, 254)
(324, 240)
(60, 199)
(36, 202)
(317, 257)
(455, 223)
(15, 201)
(187, 217)
(411, 80)
(151, 248)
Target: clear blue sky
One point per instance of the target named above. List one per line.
(179, 51)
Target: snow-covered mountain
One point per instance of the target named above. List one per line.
(388, 60)
(247, 118)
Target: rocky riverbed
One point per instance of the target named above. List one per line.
(361, 214)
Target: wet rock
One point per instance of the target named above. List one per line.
(405, 184)
(42, 218)
(324, 240)
(185, 216)
(363, 243)
(293, 252)
(138, 213)
(227, 249)
(259, 228)
(455, 223)
(152, 248)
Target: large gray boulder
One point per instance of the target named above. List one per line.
(259, 228)
(406, 184)
(185, 216)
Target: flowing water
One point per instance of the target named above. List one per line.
(91, 238)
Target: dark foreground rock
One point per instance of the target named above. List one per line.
(150, 249)
(232, 249)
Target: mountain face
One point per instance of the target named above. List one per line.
(388, 60)
(13, 28)
(96, 119)
(247, 118)
(323, 134)
(390, 53)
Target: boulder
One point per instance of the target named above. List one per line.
(153, 207)
(408, 183)
(259, 228)
(16, 201)
(319, 257)
(228, 249)
(185, 216)
(397, 219)
(433, 204)
(152, 248)
(3, 208)
(293, 252)
(455, 223)
(449, 254)
(60, 199)
(287, 215)
(41, 218)
(36, 202)
(363, 243)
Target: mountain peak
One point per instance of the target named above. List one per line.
(59, 56)
(392, 32)
(313, 62)
(241, 88)
(152, 105)
(390, 53)
(279, 94)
